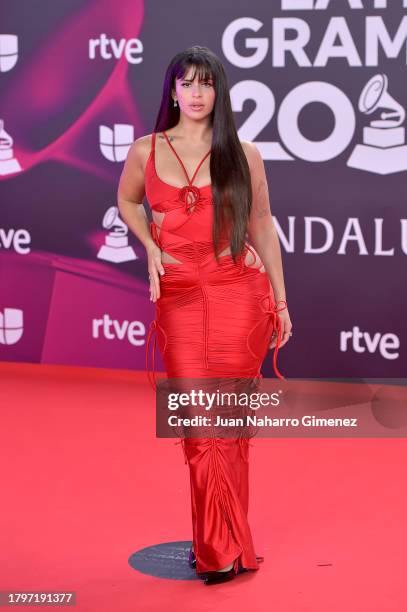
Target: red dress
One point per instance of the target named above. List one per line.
(212, 320)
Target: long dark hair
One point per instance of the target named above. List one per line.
(230, 174)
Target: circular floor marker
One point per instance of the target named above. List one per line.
(167, 560)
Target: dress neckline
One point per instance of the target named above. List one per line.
(190, 182)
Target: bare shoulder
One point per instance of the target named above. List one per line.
(140, 150)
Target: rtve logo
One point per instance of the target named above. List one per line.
(8, 51)
(111, 329)
(18, 240)
(11, 325)
(108, 48)
(387, 344)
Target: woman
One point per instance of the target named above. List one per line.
(220, 304)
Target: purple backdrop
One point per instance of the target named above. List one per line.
(319, 86)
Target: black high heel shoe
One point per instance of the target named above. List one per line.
(217, 577)
(191, 559)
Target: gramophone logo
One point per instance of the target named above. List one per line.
(383, 150)
(115, 143)
(116, 248)
(8, 163)
(11, 325)
(8, 51)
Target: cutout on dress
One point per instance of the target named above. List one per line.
(252, 260)
(158, 217)
(167, 258)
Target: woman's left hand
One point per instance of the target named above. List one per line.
(286, 327)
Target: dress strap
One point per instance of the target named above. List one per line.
(273, 312)
(152, 151)
(151, 378)
(151, 331)
(190, 181)
(277, 325)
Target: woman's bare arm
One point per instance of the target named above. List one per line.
(130, 195)
(131, 192)
(261, 229)
(262, 232)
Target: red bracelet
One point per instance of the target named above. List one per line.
(283, 308)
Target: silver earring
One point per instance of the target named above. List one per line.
(175, 103)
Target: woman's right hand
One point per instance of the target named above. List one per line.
(155, 270)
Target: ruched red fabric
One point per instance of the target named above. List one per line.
(213, 320)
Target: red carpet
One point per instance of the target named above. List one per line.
(85, 484)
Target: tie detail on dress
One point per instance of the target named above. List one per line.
(185, 194)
